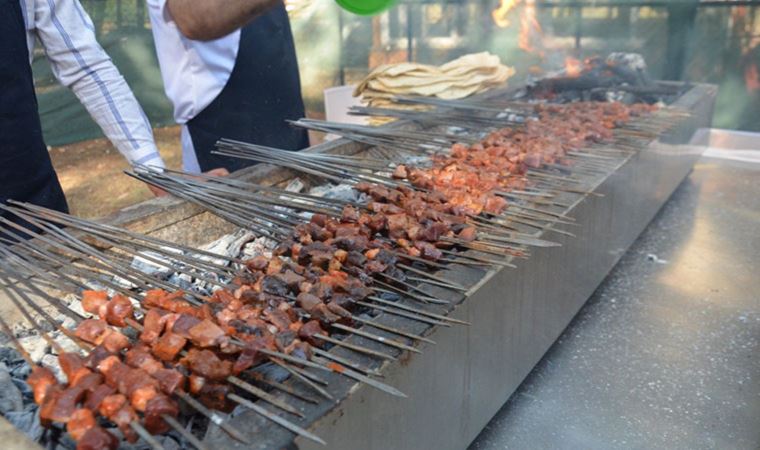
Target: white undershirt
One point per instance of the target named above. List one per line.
(194, 72)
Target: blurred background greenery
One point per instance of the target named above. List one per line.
(709, 41)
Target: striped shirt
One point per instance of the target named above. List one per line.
(67, 34)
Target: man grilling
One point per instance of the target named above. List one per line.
(230, 69)
(78, 62)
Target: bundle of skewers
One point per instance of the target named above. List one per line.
(422, 205)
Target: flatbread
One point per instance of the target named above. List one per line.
(458, 78)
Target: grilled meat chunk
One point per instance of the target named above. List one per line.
(206, 364)
(168, 346)
(158, 407)
(96, 438)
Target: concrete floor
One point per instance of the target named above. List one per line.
(666, 354)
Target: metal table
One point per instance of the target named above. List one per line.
(666, 354)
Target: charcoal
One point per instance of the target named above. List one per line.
(28, 421)
(10, 396)
(23, 387)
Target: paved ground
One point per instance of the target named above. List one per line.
(666, 354)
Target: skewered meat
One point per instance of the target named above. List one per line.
(278, 318)
(117, 409)
(195, 383)
(97, 332)
(139, 386)
(41, 380)
(206, 364)
(182, 324)
(89, 381)
(96, 356)
(93, 300)
(48, 405)
(168, 346)
(309, 329)
(92, 331)
(308, 301)
(96, 396)
(250, 355)
(96, 438)
(153, 325)
(257, 263)
(73, 366)
(112, 404)
(290, 279)
(158, 407)
(123, 418)
(113, 369)
(117, 311)
(299, 349)
(60, 407)
(81, 421)
(428, 250)
(139, 357)
(169, 380)
(214, 396)
(158, 298)
(115, 342)
(207, 334)
(274, 285)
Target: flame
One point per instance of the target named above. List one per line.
(530, 28)
(752, 78)
(573, 67)
(500, 14)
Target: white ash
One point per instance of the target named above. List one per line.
(147, 263)
(417, 161)
(295, 185)
(185, 282)
(35, 346)
(73, 303)
(259, 246)
(160, 266)
(66, 344)
(619, 96)
(50, 361)
(633, 61)
(342, 191)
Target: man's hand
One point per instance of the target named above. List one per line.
(205, 20)
(218, 172)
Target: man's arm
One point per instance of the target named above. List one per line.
(205, 20)
(80, 63)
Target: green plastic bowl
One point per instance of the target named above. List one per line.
(365, 7)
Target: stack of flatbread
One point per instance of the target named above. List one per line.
(459, 78)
